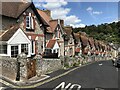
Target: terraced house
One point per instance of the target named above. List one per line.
(69, 41)
(85, 44)
(78, 47)
(53, 35)
(92, 46)
(22, 29)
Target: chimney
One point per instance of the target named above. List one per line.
(24, 1)
(62, 23)
(48, 12)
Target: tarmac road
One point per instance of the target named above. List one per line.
(99, 74)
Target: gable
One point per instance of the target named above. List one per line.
(19, 37)
(56, 46)
(16, 9)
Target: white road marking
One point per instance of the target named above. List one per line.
(100, 64)
(67, 87)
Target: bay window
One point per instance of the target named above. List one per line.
(24, 48)
(14, 51)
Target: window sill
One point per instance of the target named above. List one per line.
(30, 30)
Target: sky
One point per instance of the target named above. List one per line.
(80, 14)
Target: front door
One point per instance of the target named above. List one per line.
(14, 51)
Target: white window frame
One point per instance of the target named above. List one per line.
(57, 33)
(2, 49)
(30, 19)
(25, 47)
(11, 49)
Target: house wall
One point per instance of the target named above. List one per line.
(61, 49)
(78, 45)
(48, 36)
(68, 46)
(61, 45)
(38, 30)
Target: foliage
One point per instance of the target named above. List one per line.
(105, 32)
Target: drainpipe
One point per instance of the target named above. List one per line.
(64, 49)
(45, 38)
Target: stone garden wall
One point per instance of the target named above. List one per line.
(49, 65)
(7, 66)
(7, 62)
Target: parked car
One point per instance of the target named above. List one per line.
(116, 62)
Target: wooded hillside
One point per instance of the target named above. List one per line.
(106, 32)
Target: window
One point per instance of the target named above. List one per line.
(70, 51)
(24, 48)
(57, 33)
(3, 49)
(14, 51)
(47, 51)
(29, 22)
(54, 51)
(70, 40)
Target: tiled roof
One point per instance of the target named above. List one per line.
(77, 36)
(13, 9)
(91, 41)
(97, 52)
(68, 30)
(9, 33)
(44, 16)
(77, 50)
(53, 25)
(51, 43)
(103, 47)
(85, 51)
(92, 51)
(96, 44)
(84, 40)
(99, 45)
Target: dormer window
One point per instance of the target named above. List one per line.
(29, 22)
(57, 34)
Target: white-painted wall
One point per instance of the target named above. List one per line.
(56, 46)
(16, 40)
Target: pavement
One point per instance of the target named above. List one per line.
(37, 81)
